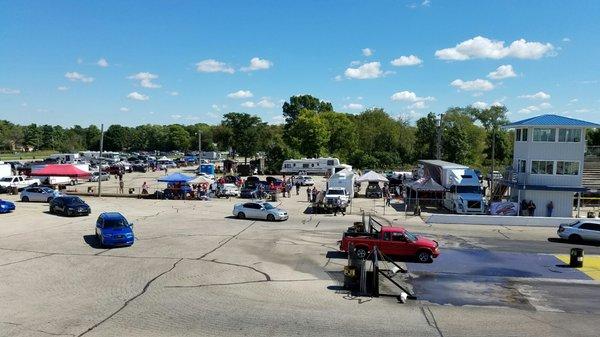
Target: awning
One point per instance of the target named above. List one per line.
(201, 180)
(426, 185)
(60, 170)
(372, 176)
(175, 178)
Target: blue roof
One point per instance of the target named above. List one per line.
(112, 215)
(551, 120)
(175, 178)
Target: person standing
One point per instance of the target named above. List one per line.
(121, 186)
(308, 194)
(314, 194)
(549, 209)
(531, 208)
(297, 187)
(524, 207)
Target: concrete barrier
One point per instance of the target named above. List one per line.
(497, 220)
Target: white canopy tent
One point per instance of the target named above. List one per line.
(372, 176)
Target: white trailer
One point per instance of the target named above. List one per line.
(309, 165)
(464, 194)
(343, 179)
(5, 170)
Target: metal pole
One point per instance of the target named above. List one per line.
(493, 162)
(578, 203)
(100, 167)
(438, 155)
(199, 147)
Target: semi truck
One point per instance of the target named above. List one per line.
(464, 194)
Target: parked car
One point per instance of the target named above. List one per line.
(278, 184)
(374, 190)
(44, 194)
(253, 191)
(6, 206)
(19, 182)
(304, 180)
(139, 167)
(580, 230)
(232, 180)
(391, 241)
(69, 205)
(103, 176)
(112, 229)
(259, 210)
(228, 190)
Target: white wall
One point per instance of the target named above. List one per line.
(496, 220)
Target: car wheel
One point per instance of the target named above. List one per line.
(270, 217)
(68, 213)
(241, 215)
(25, 199)
(574, 238)
(51, 210)
(361, 253)
(424, 256)
(49, 199)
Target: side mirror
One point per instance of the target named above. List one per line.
(131, 224)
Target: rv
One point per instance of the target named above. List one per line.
(309, 165)
(464, 194)
(65, 158)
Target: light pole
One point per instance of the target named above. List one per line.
(199, 147)
(100, 160)
(438, 124)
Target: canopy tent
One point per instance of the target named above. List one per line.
(175, 178)
(163, 158)
(372, 176)
(201, 180)
(60, 170)
(426, 185)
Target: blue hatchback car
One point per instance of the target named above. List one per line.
(6, 206)
(112, 229)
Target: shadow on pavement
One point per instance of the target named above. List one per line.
(92, 241)
(582, 243)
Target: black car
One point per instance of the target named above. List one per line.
(69, 205)
(374, 191)
(139, 167)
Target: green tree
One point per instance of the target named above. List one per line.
(310, 134)
(33, 136)
(116, 138)
(245, 130)
(178, 138)
(343, 137)
(292, 109)
(426, 137)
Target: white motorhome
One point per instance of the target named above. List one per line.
(464, 194)
(65, 158)
(309, 165)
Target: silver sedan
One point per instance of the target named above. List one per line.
(259, 210)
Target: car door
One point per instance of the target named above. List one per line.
(59, 205)
(586, 232)
(594, 231)
(401, 244)
(34, 194)
(255, 210)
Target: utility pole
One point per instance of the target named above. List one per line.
(199, 147)
(493, 162)
(438, 123)
(100, 167)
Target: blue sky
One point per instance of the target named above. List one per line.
(136, 62)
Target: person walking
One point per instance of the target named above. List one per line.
(145, 188)
(297, 188)
(308, 194)
(121, 186)
(549, 209)
(314, 194)
(524, 207)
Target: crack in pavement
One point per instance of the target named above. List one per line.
(506, 236)
(245, 282)
(36, 330)
(431, 321)
(146, 286)
(267, 276)
(221, 244)
(29, 259)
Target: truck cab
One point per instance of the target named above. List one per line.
(464, 194)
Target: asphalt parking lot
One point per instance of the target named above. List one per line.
(197, 271)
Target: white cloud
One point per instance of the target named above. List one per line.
(545, 105)
(503, 71)
(102, 63)
(174, 93)
(582, 110)
(354, 106)
(480, 105)
(409, 96)
(265, 103)
(176, 116)
(338, 78)
(256, 63)
(279, 119)
(136, 96)
(566, 39)
(418, 105)
(425, 3)
(574, 100)
(124, 109)
(213, 66)
(75, 76)
(248, 104)
(367, 52)
(366, 71)
(497, 104)
(241, 94)
(62, 88)
(534, 108)
(476, 85)
(403, 61)
(145, 79)
(9, 91)
(482, 47)
(355, 63)
(216, 107)
(538, 95)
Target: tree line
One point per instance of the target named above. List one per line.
(370, 139)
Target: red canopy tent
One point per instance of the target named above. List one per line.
(60, 170)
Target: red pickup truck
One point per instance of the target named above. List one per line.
(391, 241)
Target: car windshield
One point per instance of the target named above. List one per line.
(46, 190)
(468, 189)
(410, 236)
(8, 179)
(116, 223)
(268, 206)
(73, 200)
(335, 192)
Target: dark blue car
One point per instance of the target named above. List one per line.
(112, 229)
(6, 206)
